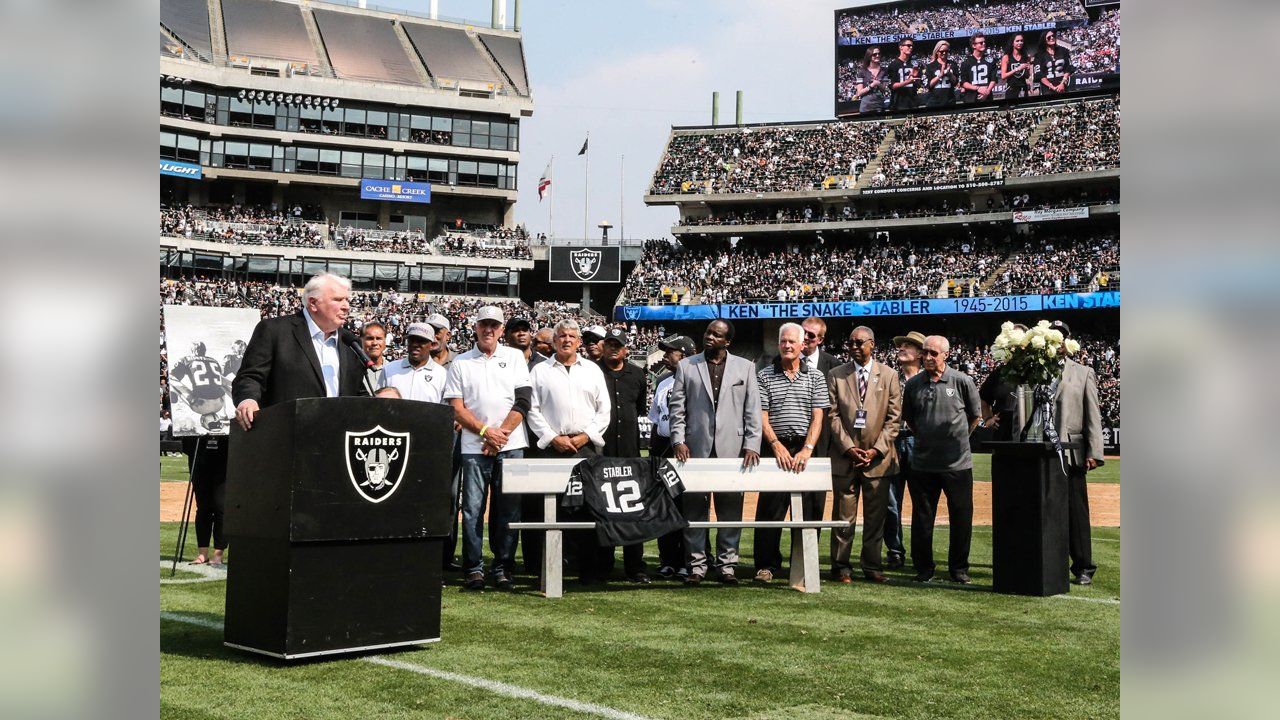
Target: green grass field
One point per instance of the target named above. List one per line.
(664, 651)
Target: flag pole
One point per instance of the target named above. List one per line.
(586, 184)
(622, 211)
(551, 202)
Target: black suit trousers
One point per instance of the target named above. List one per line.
(925, 489)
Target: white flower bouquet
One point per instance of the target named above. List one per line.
(1032, 357)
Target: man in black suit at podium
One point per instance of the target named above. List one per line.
(303, 355)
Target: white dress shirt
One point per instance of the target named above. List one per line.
(487, 386)
(425, 383)
(812, 360)
(567, 400)
(327, 351)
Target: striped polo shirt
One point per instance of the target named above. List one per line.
(790, 402)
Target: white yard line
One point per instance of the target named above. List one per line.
(1104, 601)
(493, 686)
(206, 573)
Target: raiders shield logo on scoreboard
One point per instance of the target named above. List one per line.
(631, 312)
(586, 263)
(376, 461)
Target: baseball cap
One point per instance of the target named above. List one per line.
(439, 321)
(596, 330)
(490, 312)
(913, 337)
(678, 342)
(422, 330)
(617, 334)
(519, 322)
(1061, 327)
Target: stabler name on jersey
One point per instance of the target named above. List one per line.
(618, 472)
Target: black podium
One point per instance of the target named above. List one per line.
(1028, 519)
(335, 510)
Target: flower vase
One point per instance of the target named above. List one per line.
(1030, 415)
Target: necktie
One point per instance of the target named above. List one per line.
(862, 383)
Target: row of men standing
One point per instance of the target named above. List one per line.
(715, 404)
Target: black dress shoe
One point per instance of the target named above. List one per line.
(961, 577)
(640, 579)
(894, 563)
(1083, 579)
(875, 576)
(923, 576)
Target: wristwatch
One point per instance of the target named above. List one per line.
(808, 446)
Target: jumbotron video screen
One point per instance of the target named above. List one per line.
(900, 57)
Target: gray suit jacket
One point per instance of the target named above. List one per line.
(728, 427)
(1077, 415)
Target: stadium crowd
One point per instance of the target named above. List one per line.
(1061, 263)
(240, 226)
(1075, 137)
(350, 238)
(501, 243)
(885, 208)
(1097, 45)
(952, 14)
(776, 159)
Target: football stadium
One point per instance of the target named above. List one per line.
(350, 171)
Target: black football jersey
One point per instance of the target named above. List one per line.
(978, 72)
(204, 373)
(901, 72)
(1054, 66)
(630, 499)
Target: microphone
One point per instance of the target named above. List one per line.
(350, 340)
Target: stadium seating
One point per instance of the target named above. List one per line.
(1075, 136)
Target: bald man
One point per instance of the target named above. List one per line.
(942, 408)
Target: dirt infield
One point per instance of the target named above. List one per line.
(1104, 504)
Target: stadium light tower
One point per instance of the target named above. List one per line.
(604, 231)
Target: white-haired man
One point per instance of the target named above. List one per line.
(793, 404)
(942, 407)
(305, 355)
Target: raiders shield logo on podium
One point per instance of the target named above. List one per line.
(376, 461)
(586, 263)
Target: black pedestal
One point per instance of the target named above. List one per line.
(1029, 519)
(336, 509)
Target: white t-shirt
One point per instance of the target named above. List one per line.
(425, 383)
(487, 385)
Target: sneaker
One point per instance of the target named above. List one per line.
(727, 578)
(764, 575)
(1083, 579)
(923, 576)
(667, 572)
(475, 581)
(640, 579)
(503, 581)
(961, 577)
(894, 562)
(693, 579)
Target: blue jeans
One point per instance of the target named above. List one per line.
(893, 520)
(481, 477)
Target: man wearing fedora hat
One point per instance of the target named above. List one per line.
(908, 347)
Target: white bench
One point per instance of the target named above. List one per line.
(548, 478)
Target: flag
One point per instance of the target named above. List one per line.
(583, 151)
(544, 182)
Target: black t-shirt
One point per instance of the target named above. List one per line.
(1054, 66)
(979, 73)
(631, 499)
(900, 71)
(1000, 396)
(1022, 78)
(208, 462)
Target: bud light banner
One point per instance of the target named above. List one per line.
(586, 264)
(395, 190)
(181, 169)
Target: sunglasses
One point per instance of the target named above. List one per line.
(810, 336)
(854, 342)
(932, 353)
